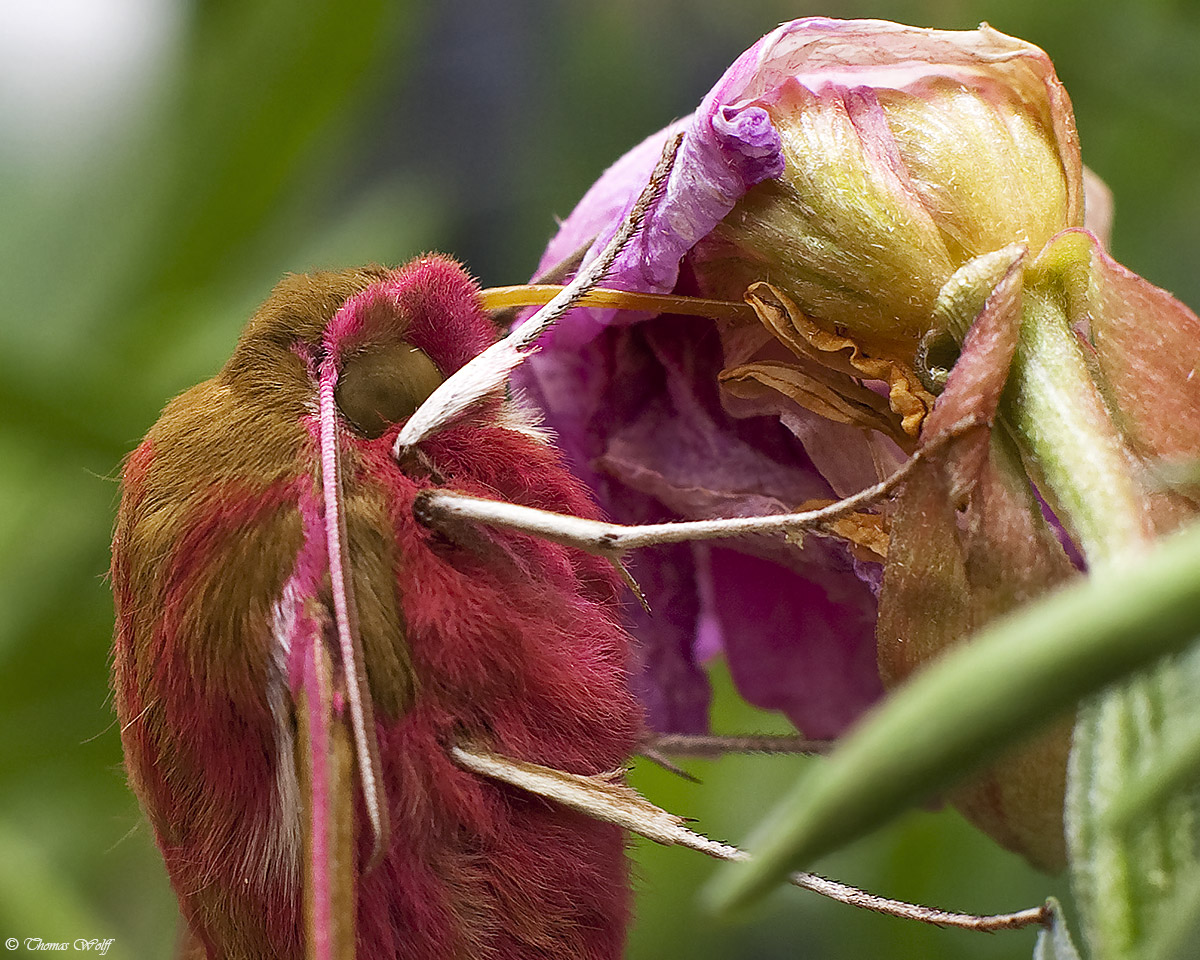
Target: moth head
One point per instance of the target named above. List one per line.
(394, 342)
(392, 337)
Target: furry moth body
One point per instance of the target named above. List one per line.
(227, 622)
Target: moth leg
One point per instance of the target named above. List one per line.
(503, 316)
(442, 507)
(659, 748)
(601, 797)
(713, 746)
(488, 372)
(566, 267)
(434, 507)
(662, 760)
(605, 799)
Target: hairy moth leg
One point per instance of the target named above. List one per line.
(489, 371)
(712, 746)
(436, 507)
(659, 748)
(552, 278)
(607, 799)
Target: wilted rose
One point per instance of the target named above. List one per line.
(874, 191)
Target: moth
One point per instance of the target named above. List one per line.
(372, 683)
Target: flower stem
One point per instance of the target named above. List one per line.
(1072, 448)
(1121, 875)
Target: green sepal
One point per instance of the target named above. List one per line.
(1011, 679)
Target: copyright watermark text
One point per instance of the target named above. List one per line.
(38, 944)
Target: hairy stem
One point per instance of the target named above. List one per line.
(1055, 411)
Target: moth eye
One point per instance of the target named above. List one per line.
(383, 385)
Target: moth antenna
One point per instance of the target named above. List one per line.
(713, 746)
(613, 539)
(487, 373)
(329, 847)
(603, 799)
(362, 719)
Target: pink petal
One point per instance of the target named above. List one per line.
(802, 644)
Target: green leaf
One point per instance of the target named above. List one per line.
(1013, 677)
(1174, 768)
(1055, 943)
(1178, 928)
(1127, 872)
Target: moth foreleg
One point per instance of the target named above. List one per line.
(488, 372)
(437, 507)
(605, 799)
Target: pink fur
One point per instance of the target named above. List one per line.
(514, 644)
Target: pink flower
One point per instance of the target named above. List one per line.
(885, 181)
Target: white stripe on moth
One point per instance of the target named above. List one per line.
(279, 845)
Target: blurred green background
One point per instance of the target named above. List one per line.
(162, 163)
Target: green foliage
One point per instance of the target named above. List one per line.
(128, 269)
(1130, 873)
(981, 697)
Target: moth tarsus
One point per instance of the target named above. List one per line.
(662, 760)
(616, 803)
(628, 579)
(713, 746)
(614, 540)
(486, 373)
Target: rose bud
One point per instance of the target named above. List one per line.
(873, 191)
(907, 153)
